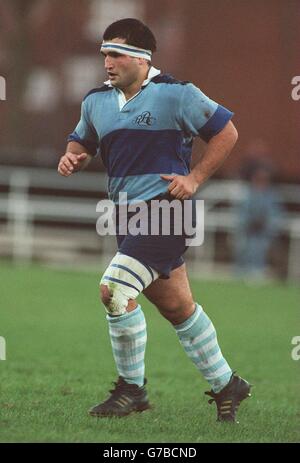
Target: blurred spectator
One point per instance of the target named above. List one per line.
(258, 217)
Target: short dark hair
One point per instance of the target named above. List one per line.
(133, 31)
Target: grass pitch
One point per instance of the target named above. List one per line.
(59, 363)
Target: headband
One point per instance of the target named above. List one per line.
(125, 49)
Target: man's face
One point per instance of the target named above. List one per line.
(122, 70)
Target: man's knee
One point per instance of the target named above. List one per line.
(105, 295)
(176, 312)
(124, 279)
(114, 299)
(169, 303)
(112, 306)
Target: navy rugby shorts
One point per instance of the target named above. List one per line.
(161, 252)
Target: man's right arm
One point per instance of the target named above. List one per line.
(76, 158)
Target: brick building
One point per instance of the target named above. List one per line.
(244, 55)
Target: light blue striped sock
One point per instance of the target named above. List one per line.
(128, 339)
(198, 337)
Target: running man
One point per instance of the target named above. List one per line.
(142, 122)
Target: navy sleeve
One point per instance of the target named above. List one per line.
(202, 116)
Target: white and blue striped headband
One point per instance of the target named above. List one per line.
(125, 49)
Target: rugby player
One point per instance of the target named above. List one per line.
(142, 122)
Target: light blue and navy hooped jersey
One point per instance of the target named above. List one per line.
(151, 134)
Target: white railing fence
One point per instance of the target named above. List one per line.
(48, 217)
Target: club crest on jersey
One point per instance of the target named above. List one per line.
(145, 119)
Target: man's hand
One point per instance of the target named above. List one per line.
(71, 162)
(181, 186)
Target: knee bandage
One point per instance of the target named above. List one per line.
(125, 278)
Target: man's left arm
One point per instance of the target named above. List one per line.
(217, 150)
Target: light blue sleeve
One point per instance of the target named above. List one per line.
(85, 133)
(202, 116)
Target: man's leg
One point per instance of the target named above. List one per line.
(197, 335)
(121, 283)
(174, 300)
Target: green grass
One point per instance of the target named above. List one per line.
(59, 363)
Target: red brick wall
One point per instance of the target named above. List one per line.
(243, 54)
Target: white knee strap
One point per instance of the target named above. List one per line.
(125, 278)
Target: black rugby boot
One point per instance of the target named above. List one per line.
(229, 398)
(125, 398)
